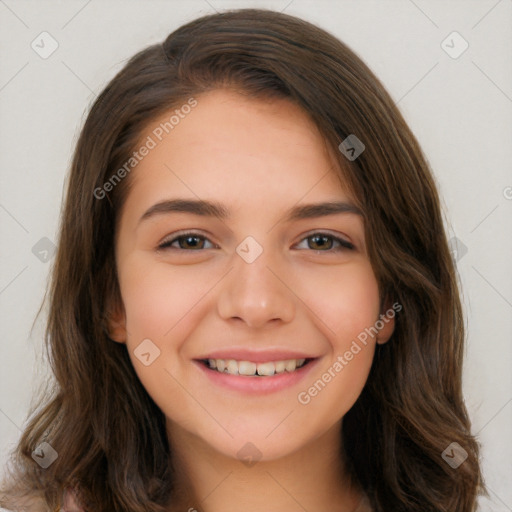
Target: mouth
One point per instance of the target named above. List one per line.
(256, 372)
(254, 369)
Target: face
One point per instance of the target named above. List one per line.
(262, 284)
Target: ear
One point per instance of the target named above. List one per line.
(386, 322)
(116, 323)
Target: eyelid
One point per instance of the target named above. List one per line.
(180, 234)
(344, 243)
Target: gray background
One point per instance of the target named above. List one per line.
(459, 108)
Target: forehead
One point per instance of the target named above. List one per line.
(238, 148)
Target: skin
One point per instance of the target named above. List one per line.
(259, 159)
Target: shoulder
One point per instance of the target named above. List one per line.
(364, 505)
(69, 502)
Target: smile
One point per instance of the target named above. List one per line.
(251, 369)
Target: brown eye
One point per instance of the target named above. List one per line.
(187, 241)
(318, 242)
(327, 243)
(191, 242)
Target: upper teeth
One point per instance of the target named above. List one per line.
(247, 368)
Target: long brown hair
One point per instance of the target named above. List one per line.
(109, 434)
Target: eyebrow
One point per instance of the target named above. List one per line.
(214, 209)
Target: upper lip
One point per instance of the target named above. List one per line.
(256, 356)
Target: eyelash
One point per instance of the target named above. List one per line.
(343, 244)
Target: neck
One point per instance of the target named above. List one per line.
(311, 478)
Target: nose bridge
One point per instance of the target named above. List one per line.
(252, 292)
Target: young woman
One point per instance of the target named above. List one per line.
(253, 304)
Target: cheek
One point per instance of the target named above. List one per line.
(344, 300)
(161, 304)
(348, 307)
(157, 296)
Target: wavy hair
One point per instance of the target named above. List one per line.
(109, 434)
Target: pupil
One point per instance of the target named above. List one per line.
(321, 237)
(190, 241)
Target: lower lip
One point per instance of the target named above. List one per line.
(254, 384)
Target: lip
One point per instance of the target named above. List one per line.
(256, 385)
(256, 356)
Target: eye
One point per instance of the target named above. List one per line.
(186, 241)
(324, 242)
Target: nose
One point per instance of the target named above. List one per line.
(256, 293)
